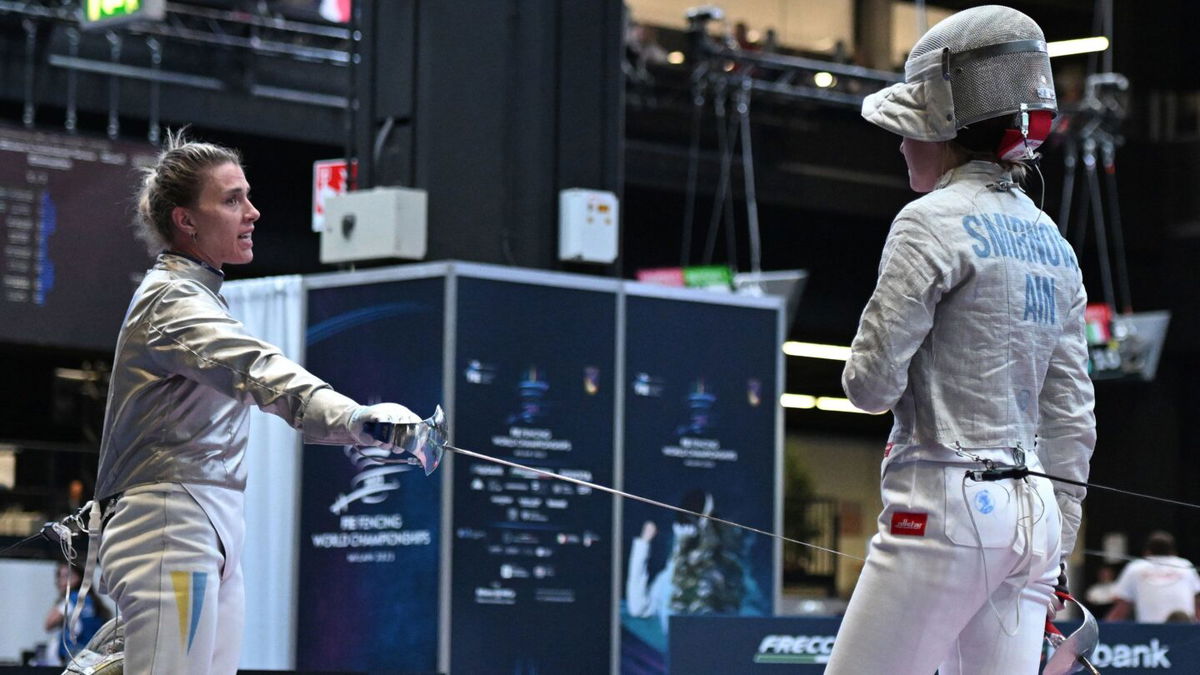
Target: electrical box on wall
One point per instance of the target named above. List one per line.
(383, 222)
(588, 226)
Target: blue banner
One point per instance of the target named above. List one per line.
(532, 556)
(721, 645)
(1137, 648)
(700, 433)
(368, 576)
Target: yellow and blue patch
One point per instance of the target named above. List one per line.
(189, 600)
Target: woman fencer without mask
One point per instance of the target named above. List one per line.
(197, 202)
(218, 227)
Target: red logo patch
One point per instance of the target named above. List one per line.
(909, 524)
(887, 449)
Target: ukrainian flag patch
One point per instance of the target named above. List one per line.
(189, 600)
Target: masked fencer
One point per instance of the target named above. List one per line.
(974, 339)
(171, 476)
(704, 572)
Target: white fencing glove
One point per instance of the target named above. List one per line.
(389, 413)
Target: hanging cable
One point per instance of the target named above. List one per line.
(730, 233)
(1107, 11)
(1089, 164)
(699, 83)
(1097, 29)
(1070, 161)
(1098, 222)
(1108, 158)
(726, 158)
(748, 177)
(31, 28)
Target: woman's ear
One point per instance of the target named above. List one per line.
(182, 221)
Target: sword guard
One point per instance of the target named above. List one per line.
(1072, 652)
(423, 441)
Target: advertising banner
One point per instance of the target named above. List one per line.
(369, 534)
(702, 645)
(700, 432)
(708, 645)
(532, 556)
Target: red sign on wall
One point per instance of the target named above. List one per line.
(329, 178)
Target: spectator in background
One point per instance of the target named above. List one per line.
(770, 43)
(1180, 616)
(1099, 596)
(741, 34)
(1157, 586)
(67, 579)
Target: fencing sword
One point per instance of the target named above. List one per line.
(424, 443)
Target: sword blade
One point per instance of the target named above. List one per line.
(645, 500)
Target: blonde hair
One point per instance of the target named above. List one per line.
(175, 179)
(1018, 168)
(979, 142)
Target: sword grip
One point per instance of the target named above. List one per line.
(383, 432)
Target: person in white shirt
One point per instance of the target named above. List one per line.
(1099, 596)
(1157, 586)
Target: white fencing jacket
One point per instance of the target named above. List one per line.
(974, 335)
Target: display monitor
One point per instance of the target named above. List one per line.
(69, 259)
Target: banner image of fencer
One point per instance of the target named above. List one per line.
(368, 575)
(532, 556)
(700, 407)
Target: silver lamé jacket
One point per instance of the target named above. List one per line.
(974, 335)
(184, 374)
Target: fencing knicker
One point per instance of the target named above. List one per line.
(953, 582)
(165, 566)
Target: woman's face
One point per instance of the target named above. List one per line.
(223, 218)
(924, 160)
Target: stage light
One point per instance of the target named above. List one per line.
(816, 351)
(1078, 46)
(798, 401)
(826, 403)
(833, 404)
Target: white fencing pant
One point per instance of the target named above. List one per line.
(939, 591)
(164, 565)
